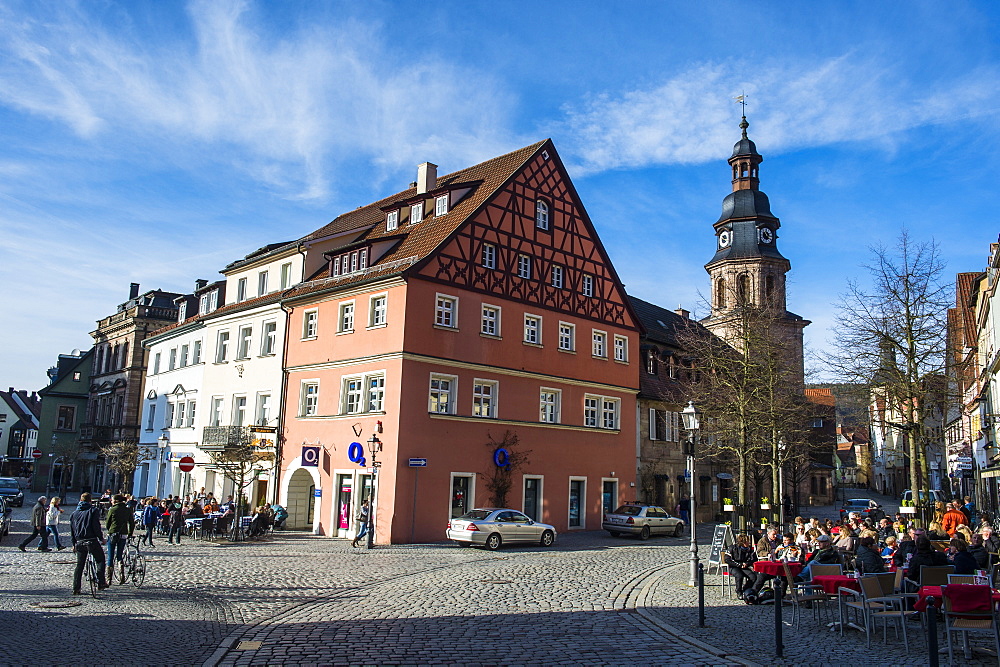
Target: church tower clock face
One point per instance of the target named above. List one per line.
(725, 238)
(766, 235)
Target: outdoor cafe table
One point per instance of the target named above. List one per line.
(832, 583)
(775, 569)
(935, 592)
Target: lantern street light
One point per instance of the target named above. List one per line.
(374, 446)
(692, 424)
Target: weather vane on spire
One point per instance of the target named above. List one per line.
(742, 99)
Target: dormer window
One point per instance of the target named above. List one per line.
(391, 221)
(182, 311)
(441, 205)
(336, 266)
(213, 300)
(363, 259)
(542, 214)
(203, 304)
(416, 213)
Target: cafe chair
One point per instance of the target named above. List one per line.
(826, 570)
(894, 609)
(728, 586)
(933, 575)
(801, 593)
(961, 579)
(868, 601)
(969, 608)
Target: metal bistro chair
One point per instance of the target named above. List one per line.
(825, 570)
(207, 528)
(961, 579)
(894, 609)
(727, 584)
(800, 593)
(933, 575)
(975, 613)
(868, 601)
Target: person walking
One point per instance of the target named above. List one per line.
(150, 515)
(39, 523)
(120, 525)
(363, 515)
(85, 531)
(176, 521)
(52, 521)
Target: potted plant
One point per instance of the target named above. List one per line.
(765, 504)
(727, 505)
(906, 507)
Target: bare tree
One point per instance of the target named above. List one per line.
(65, 453)
(892, 336)
(123, 457)
(507, 458)
(242, 465)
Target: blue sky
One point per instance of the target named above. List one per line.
(156, 142)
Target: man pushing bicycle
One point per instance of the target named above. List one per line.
(87, 536)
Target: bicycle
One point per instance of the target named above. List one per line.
(133, 563)
(90, 572)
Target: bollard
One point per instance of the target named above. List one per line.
(701, 595)
(779, 595)
(932, 638)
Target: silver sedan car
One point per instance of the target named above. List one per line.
(642, 520)
(491, 527)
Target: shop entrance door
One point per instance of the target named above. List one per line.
(461, 494)
(533, 498)
(344, 512)
(609, 496)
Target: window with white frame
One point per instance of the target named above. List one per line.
(362, 258)
(621, 348)
(377, 310)
(484, 398)
(609, 412)
(172, 363)
(549, 405)
(489, 256)
(286, 275)
(532, 329)
(243, 349)
(446, 311)
(156, 363)
(263, 412)
(168, 415)
(196, 352)
(336, 266)
(567, 335)
(181, 413)
(490, 321)
(601, 411)
(416, 213)
(185, 353)
(391, 221)
(346, 317)
(376, 393)
(542, 214)
(557, 276)
(309, 399)
(442, 394)
(213, 300)
(241, 290)
(310, 323)
(222, 347)
(215, 418)
(352, 392)
(262, 283)
(591, 410)
(182, 311)
(190, 416)
(441, 205)
(269, 339)
(354, 262)
(587, 286)
(599, 346)
(239, 410)
(524, 266)
(203, 304)
(150, 416)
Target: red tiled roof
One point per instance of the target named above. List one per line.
(273, 297)
(821, 395)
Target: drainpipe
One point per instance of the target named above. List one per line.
(283, 391)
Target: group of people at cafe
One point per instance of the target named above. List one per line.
(864, 546)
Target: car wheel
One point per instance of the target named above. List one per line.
(678, 530)
(614, 533)
(547, 539)
(644, 533)
(493, 542)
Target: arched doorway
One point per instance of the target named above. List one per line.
(300, 501)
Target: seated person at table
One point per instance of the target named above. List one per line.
(958, 554)
(990, 540)
(228, 507)
(740, 560)
(788, 551)
(908, 546)
(768, 543)
(825, 555)
(979, 552)
(210, 506)
(280, 514)
(890, 547)
(847, 540)
(925, 555)
(935, 533)
(868, 559)
(195, 511)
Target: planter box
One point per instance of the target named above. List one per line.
(729, 508)
(907, 510)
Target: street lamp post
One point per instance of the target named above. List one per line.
(692, 424)
(374, 446)
(161, 444)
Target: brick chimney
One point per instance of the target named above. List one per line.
(427, 177)
(686, 314)
(133, 290)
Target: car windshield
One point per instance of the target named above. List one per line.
(863, 503)
(476, 515)
(629, 510)
(9, 487)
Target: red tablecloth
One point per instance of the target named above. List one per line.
(774, 568)
(831, 583)
(928, 591)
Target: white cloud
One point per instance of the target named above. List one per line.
(284, 110)
(687, 118)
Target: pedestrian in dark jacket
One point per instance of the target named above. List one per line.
(39, 525)
(176, 522)
(150, 515)
(85, 530)
(121, 524)
(868, 560)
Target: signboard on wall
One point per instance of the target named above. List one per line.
(310, 457)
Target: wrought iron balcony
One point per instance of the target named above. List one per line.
(101, 433)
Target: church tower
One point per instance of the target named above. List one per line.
(748, 268)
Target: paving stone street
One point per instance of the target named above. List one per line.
(299, 599)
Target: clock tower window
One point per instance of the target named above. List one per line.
(720, 293)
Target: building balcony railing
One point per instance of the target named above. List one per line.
(215, 438)
(104, 433)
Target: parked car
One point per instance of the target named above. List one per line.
(937, 495)
(5, 512)
(491, 527)
(642, 520)
(10, 490)
(865, 507)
